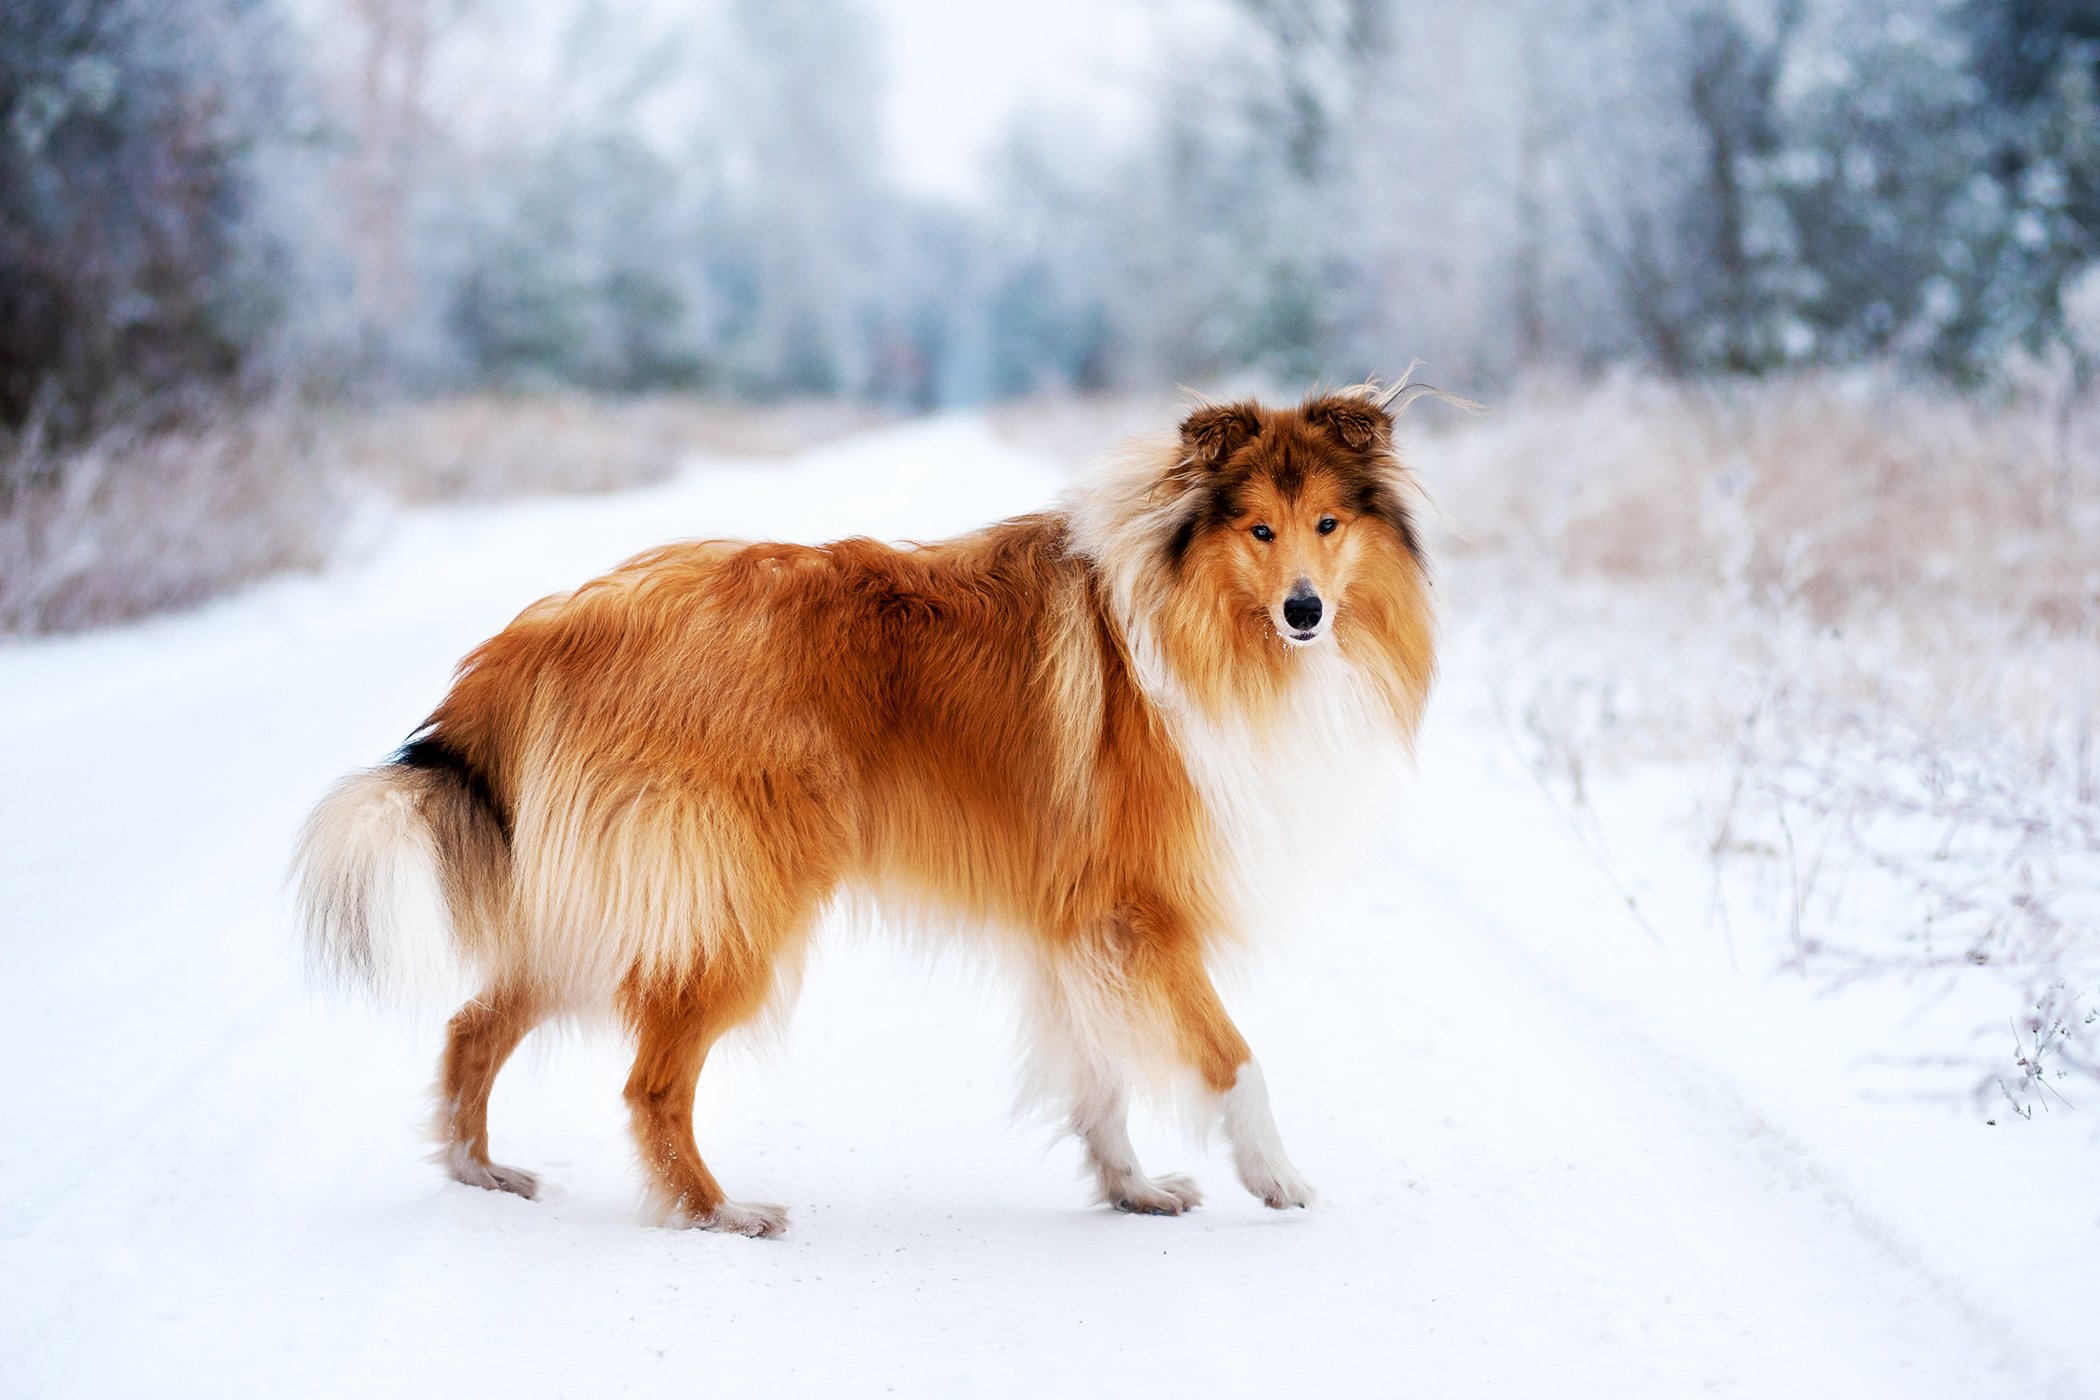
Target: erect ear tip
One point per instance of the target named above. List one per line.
(1214, 432)
(1359, 422)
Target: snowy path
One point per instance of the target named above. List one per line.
(1548, 1164)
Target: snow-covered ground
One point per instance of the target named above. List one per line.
(1559, 1153)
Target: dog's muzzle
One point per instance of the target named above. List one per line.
(1302, 611)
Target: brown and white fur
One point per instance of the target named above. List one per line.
(1111, 736)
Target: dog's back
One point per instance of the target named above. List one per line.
(639, 797)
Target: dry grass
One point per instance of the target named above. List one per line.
(1078, 429)
(1867, 615)
(1839, 498)
(1863, 534)
(135, 523)
(482, 447)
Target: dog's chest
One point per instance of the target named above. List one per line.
(1292, 799)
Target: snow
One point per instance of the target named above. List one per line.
(1554, 1156)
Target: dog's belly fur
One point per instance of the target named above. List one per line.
(1070, 729)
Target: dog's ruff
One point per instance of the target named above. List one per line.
(1113, 737)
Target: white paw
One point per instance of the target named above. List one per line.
(1280, 1189)
(761, 1222)
(490, 1176)
(1165, 1195)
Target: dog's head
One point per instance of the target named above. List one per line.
(1287, 513)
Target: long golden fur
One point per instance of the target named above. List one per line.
(1105, 735)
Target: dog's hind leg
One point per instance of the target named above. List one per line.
(674, 1029)
(481, 1037)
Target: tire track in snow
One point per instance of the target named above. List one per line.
(1943, 1342)
(1522, 1193)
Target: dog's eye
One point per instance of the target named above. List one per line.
(1327, 524)
(1263, 532)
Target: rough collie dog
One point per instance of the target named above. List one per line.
(1110, 736)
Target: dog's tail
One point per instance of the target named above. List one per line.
(393, 861)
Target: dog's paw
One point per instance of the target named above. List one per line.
(1165, 1195)
(1281, 1190)
(760, 1222)
(490, 1176)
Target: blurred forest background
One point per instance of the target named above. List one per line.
(216, 213)
(1788, 312)
(238, 196)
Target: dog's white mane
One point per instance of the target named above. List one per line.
(1291, 798)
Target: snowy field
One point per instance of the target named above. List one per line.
(1558, 1153)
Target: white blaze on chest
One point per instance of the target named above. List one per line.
(1293, 798)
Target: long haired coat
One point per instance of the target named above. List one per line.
(1109, 736)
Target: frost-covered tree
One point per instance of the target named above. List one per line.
(130, 268)
(573, 266)
(619, 195)
(572, 275)
(801, 157)
(1887, 230)
(2038, 62)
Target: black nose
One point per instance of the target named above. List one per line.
(1302, 610)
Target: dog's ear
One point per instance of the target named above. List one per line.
(1213, 433)
(1358, 424)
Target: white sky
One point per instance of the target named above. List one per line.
(954, 73)
(958, 71)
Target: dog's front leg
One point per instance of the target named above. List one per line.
(1100, 1116)
(1257, 1148)
(1085, 1036)
(1211, 1045)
